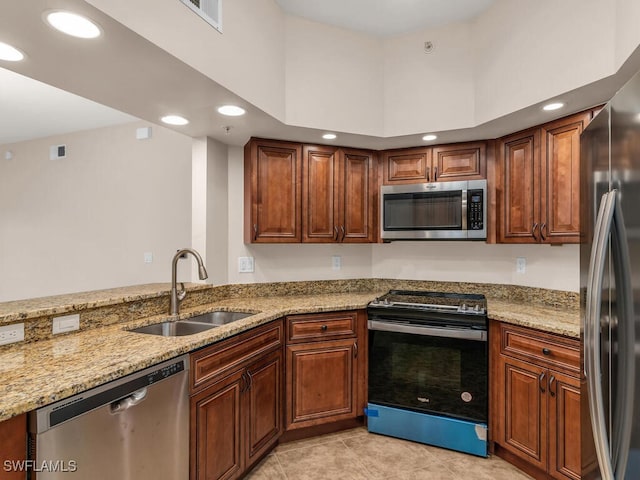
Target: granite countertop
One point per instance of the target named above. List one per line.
(38, 373)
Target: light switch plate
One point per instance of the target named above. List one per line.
(521, 265)
(66, 323)
(336, 262)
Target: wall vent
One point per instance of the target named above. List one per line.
(208, 10)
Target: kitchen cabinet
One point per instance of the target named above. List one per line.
(13, 446)
(325, 368)
(463, 161)
(236, 402)
(339, 195)
(539, 181)
(272, 189)
(536, 413)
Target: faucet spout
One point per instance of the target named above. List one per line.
(178, 296)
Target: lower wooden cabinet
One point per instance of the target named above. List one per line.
(325, 368)
(536, 393)
(13, 447)
(236, 414)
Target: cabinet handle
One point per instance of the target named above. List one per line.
(335, 229)
(546, 351)
(255, 232)
(540, 382)
(344, 234)
(533, 231)
(552, 380)
(250, 381)
(323, 328)
(428, 174)
(435, 174)
(543, 227)
(355, 350)
(243, 383)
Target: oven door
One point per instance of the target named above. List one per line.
(435, 370)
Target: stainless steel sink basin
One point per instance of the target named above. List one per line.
(219, 317)
(174, 329)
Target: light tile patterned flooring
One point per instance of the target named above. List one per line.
(359, 455)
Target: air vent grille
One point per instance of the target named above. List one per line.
(208, 10)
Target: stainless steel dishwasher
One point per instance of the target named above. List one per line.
(136, 427)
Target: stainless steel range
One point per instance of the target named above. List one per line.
(428, 364)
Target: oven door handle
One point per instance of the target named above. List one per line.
(465, 334)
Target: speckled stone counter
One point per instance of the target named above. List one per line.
(47, 369)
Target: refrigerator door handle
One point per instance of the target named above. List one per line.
(593, 368)
(623, 397)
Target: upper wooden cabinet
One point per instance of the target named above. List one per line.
(272, 189)
(339, 195)
(464, 161)
(538, 183)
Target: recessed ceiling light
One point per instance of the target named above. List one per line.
(553, 106)
(73, 24)
(9, 53)
(174, 120)
(430, 137)
(329, 136)
(231, 110)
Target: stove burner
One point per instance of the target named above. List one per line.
(469, 304)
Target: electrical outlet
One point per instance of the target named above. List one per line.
(336, 262)
(66, 323)
(148, 257)
(11, 333)
(521, 265)
(245, 265)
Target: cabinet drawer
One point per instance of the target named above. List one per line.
(321, 326)
(543, 348)
(221, 358)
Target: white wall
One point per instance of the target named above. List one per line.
(334, 78)
(556, 267)
(526, 52)
(84, 222)
(516, 54)
(429, 92)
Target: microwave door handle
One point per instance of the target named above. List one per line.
(464, 210)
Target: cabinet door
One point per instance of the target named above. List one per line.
(320, 385)
(13, 446)
(523, 405)
(358, 199)
(264, 405)
(519, 200)
(459, 162)
(320, 199)
(272, 192)
(412, 165)
(565, 459)
(560, 187)
(216, 430)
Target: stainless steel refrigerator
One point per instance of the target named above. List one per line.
(610, 288)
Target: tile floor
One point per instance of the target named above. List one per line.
(359, 455)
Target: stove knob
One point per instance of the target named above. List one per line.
(463, 307)
(386, 301)
(476, 308)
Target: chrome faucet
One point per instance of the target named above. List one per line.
(178, 295)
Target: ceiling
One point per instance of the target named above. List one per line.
(32, 109)
(119, 69)
(386, 17)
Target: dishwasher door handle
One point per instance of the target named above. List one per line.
(461, 333)
(127, 402)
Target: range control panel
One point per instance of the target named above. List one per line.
(475, 209)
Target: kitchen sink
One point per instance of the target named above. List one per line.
(174, 329)
(219, 317)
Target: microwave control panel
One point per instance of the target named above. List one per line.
(475, 209)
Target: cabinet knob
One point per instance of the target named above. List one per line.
(546, 351)
(323, 328)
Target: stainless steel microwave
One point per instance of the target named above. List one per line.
(434, 211)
